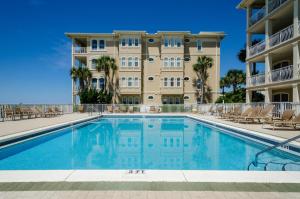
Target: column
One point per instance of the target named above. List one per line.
(268, 32)
(268, 68)
(296, 17)
(268, 95)
(248, 34)
(248, 74)
(296, 60)
(296, 93)
(248, 96)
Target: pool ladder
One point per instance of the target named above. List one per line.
(255, 163)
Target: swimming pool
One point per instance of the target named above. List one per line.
(138, 142)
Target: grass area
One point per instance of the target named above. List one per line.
(149, 186)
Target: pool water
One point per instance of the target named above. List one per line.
(141, 142)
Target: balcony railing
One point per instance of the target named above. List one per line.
(257, 48)
(276, 39)
(256, 80)
(273, 4)
(282, 74)
(257, 16)
(79, 50)
(282, 36)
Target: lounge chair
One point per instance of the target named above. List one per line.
(220, 110)
(52, 111)
(292, 122)
(59, 111)
(153, 109)
(233, 113)
(226, 114)
(211, 110)
(123, 109)
(242, 114)
(130, 109)
(287, 115)
(109, 109)
(252, 115)
(9, 113)
(43, 113)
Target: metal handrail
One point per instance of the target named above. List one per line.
(255, 162)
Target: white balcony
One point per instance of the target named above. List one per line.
(274, 4)
(256, 80)
(257, 48)
(282, 74)
(257, 16)
(282, 36)
(79, 50)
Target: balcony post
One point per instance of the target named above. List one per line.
(248, 16)
(248, 96)
(267, 6)
(268, 95)
(248, 73)
(268, 32)
(296, 93)
(296, 17)
(296, 61)
(268, 68)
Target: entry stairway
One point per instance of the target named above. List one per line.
(279, 164)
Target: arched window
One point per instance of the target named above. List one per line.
(136, 61)
(94, 83)
(172, 60)
(101, 83)
(123, 61)
(166, 62)
(94, 63)
(178, 61)
(130, 62)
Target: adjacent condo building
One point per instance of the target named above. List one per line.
(273, 36)
(151, 68)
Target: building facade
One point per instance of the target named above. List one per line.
(274, 24)
(151, 68)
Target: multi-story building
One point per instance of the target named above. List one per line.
(152, 68)
(275, 24)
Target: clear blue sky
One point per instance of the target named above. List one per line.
(35, 56)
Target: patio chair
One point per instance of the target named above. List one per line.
(291, 122)
(252, 115)
(43, 113)
(52, 111)
(58, 111)
(287, 115)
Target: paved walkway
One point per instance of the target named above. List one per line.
(147, 195)
(11, 127)
(278, 132)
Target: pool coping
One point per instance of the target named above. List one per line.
(148, 175)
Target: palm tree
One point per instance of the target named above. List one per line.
(83, 74)
(242, 55)
(108, 65)
(223, 84)
(201, 67)
(236, 77)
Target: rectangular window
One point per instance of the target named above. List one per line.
(136, 100)
(166, 62)
(123, 61)
(172, 62)
(94, 44)
(123, 42)
(129, 42)
(124, 100)
(136, 62)
(165, 82)
(136, 42)
(123, 82)
(172, 82)
(178, 42)
(130, 100)
(166, 42)
(178, 82)
(130, 62)
(199, 45)
(172, 42)
(136, 82)
(178, 61)
(101, 44)
(129, 82)
(177, 100)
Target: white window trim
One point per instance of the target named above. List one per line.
(98, 49)
(174, 82)
(134, 83)
(170, 40)
(133, 39)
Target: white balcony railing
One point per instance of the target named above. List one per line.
(257, 48)
(274, 4)
(256, 80)
(79, 50)
(257, 16)
(282, 74)
(282, 36)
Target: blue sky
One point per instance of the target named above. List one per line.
(35, 55)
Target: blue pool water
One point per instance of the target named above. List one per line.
(137, 143)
